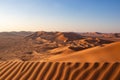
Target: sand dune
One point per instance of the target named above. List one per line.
(58, 58)
(59, 71)
(20, 45)
(105, 53)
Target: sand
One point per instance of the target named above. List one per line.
(95, 63)
(105, 53)
(98, 63)
(59, 71)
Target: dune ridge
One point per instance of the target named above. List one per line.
(10, 70)
(105, 53)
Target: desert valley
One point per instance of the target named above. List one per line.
(59, 56)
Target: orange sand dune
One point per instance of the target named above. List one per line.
(61, 50)
(59, 71)
(105, 53)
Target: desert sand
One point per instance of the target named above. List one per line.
(59, 56)
(59, 71)
(105, 53)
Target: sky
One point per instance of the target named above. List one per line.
(60, 15)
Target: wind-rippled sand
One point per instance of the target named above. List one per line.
(59, 71)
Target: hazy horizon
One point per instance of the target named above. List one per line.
(60, 15)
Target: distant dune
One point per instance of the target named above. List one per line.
(21, 45)
(105, 53)
(55, 36)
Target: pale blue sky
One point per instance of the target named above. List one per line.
(60, 15)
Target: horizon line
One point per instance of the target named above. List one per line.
(60, 31)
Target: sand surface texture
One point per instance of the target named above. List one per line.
(59, 71)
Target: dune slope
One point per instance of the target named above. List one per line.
(106, 53)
